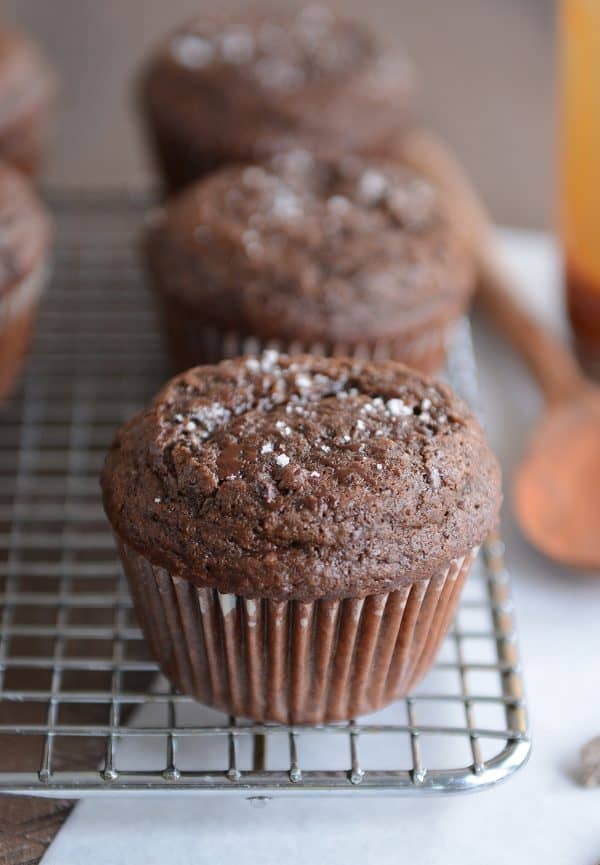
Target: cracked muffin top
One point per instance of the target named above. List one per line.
(249, 83)
(302, 477)
(312, 249)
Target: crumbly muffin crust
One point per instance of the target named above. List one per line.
(312, 249)
(304, 477)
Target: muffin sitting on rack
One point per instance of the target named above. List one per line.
(24, 246)
(27, 90)
(242, 86)
(338, 257)
(296, 531)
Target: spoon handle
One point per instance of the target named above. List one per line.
(549, 359)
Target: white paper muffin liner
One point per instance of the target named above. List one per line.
(291, 661)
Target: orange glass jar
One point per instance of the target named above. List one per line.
(580, 171)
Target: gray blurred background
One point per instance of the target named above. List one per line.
(486, 82)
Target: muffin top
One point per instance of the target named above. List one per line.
(248, 82)
(302, 477)
(24, 228)
(26, 79)
(312, 249)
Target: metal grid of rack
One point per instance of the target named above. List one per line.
(76, 681)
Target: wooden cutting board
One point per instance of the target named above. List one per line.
(28, 826)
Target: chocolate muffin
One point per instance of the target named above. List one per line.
(24, 243)
(242, 86)
(339, 257)
(296, 531)
(27, 91)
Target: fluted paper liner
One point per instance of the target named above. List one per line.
(291, 661)
(193, 342)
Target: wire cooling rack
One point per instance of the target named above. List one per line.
(82, 706)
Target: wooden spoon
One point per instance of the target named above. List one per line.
(557, 486)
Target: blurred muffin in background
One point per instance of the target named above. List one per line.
(24, 245)
(28, 87)
(244, 86)
(341, 256)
